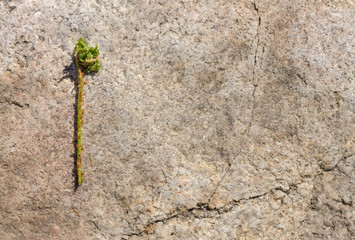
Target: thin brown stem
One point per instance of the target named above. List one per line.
(79, 121)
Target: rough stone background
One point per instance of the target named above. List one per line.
(209, 120)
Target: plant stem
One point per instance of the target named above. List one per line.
(86, 59)
(79, 121)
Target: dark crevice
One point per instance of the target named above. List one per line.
(15, 103)
(255, 80)
(347, 203)
(201, 211)
(302, 79)
(18, 104)
(257, 10)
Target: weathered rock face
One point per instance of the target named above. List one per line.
(209, 120)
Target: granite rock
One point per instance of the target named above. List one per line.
(209, 120)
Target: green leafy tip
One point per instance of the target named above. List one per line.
(87, 56)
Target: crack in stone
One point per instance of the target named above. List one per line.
(220, 181)
(255, 80)
(201, 211)
(253, 103)
(302, 79)
(257, 42)
(99, 229)
(16, 103)
(336, 165)
(342, 160)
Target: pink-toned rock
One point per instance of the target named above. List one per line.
(208, 120)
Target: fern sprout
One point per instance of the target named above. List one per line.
(87, 61)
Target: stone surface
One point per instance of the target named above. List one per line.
(209, 120)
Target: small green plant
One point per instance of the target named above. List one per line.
(87, 61)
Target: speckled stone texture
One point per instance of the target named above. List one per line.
(209, 120)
